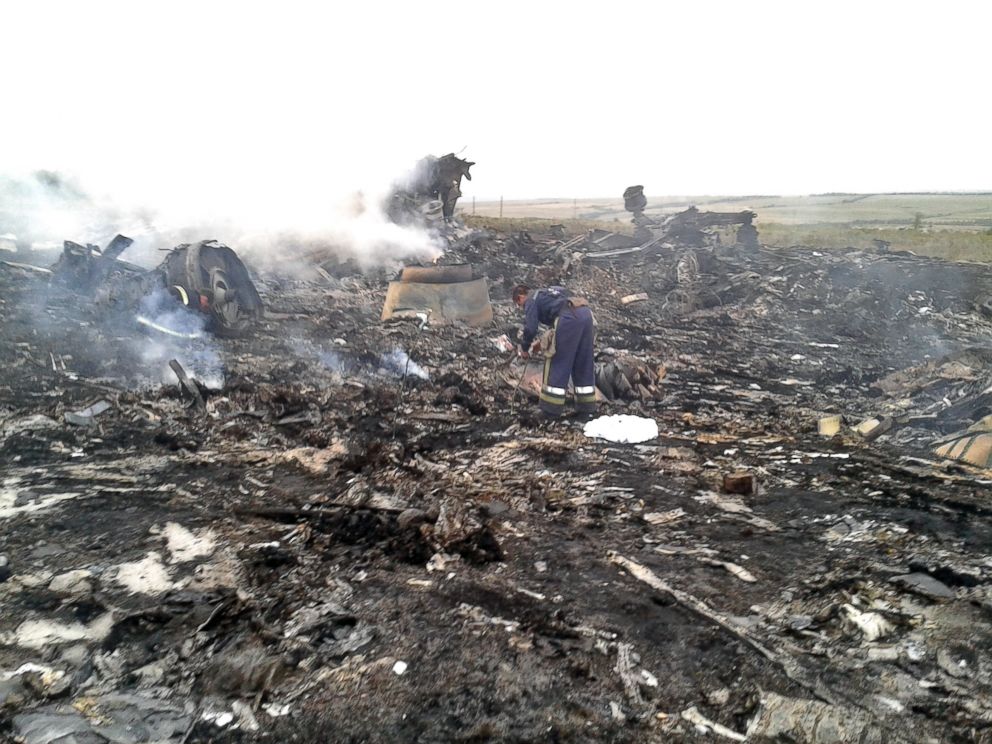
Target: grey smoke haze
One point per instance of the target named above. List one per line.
(271, 229)
(398, 363)
(176, 332)
(395, 363)
(43, 208)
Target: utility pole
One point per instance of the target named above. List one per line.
(473, 206)
(501, 207)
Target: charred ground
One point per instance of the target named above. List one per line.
(323, 519)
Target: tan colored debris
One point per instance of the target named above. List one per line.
(657, 519)
(973, 446)
(873, 427)
(790, 719)
(828, 426)
(639, 297)
(456, 522)
(693, 716)
(739, 571)
(737, 507)
(313, 459)
(714, 438)
(677, 453)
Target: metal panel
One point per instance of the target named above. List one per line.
(445, 274)
(464, 301)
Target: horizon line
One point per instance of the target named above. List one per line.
(496, 199)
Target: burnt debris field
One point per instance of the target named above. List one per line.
(309, 523)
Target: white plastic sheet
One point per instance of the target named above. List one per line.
(622, 428)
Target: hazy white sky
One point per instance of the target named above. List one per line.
(241, 103)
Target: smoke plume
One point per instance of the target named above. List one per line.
(272, 222)
(176, 332)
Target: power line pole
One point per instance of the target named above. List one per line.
(501, 207)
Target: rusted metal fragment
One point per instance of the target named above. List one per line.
(740, 482)
(444, 274)
(443, 295)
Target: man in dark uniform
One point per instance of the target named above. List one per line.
(567, 346)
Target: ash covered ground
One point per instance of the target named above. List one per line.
(344, 547)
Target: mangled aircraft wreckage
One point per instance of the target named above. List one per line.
(689, 227)
(328, 547)
(431, 191)
(207, 277)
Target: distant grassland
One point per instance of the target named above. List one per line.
(955, 226)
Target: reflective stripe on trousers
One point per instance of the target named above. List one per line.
(573, 359)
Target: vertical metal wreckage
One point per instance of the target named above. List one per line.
(431, 191)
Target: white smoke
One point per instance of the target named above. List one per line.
(331, 359)
(176, 332)
(397, 363)
(273, 220)
(43, 208)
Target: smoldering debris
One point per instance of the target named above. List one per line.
(397, 363)
(209, 277)
(742, 571)
(430, 192)
(38, 211)
(206, 277)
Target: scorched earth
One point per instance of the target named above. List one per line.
(323, 542)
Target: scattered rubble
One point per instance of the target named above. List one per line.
(327, 544)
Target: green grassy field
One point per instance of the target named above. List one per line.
(955, 226)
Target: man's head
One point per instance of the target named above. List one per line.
(519, 294)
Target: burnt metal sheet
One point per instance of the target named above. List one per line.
(611, 240)
(974, 449)
(464, 301)
(444, 274)
(973, 446)
(85, 267)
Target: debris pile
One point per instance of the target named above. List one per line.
(206, 277)
(689, 228)
(365, 532)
